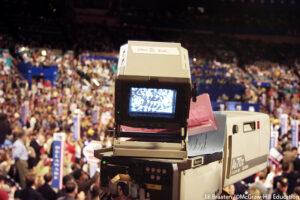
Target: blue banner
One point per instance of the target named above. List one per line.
(76, 127)
(279, 112)
(274, 139)
(284, 123)
(295, 108)
(295, 133)
(59, 109)
(28, 71)
(263, 99)
(272, 105)
(58, 157)
(23, 115)
(96, 115)
(24, 112)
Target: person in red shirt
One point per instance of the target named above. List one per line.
(3, 194)
(47, 83)
(70, 146)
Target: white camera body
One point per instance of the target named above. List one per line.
(176, 166)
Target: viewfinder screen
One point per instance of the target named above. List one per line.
(144, 101)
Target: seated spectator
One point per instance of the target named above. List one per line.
(71, 190)
(285, 169)
(297, 160)
(46, 189)
(95, 192)
(289, 156)
(255, 194)
(83, 181)
(259, 185)
(281, 190)
(29, 192)
(66, 179)
(123, 191)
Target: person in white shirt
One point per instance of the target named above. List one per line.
(20, 155)
(260, 185)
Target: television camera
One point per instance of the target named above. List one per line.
(152, 147)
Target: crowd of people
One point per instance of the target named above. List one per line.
(31, 136)
(264, 82)
(216, 73)
(32, 113)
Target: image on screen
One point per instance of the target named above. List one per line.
(152, 100)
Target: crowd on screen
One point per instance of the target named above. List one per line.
(85, 84)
